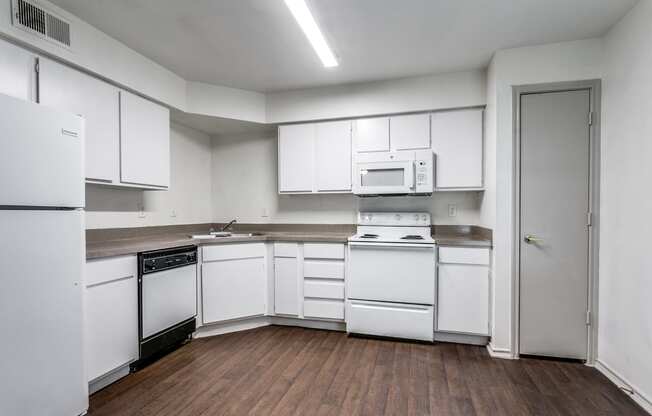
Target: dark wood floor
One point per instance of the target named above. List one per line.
(293, 371)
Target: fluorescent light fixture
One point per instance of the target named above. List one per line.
(307, 23)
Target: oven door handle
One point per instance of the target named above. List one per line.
(392, 245)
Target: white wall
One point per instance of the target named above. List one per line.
(625, 326)
(245, 187)
(568, 61)
(453, 90)
(188, 196)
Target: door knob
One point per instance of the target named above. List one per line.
(530, 239)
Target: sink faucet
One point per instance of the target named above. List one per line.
(227, 226)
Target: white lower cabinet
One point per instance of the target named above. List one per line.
(463, 292)
(233, 286)
(111, 315)
(286, 286)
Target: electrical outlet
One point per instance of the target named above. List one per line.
(452, 210)
(173, 213)
(264, 213)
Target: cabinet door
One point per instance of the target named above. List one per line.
(333, 156)
(144, 142)
(286, 286)
(233, 289)
(457, 144)
(17, 74)
(98, 102)
(463, 299)
(111, 315)
(410, 132)
(371, 134)
(296, 158)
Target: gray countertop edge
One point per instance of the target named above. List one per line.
(113, 248)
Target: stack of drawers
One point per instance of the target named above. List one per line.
(323, 281)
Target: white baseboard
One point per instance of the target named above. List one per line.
(260, 321)
(308, 323)
(231, 326)
(640, 398)
(461, 338)
(109, 378)
(502, 353)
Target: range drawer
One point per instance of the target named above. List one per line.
(323, 269)
(464, 255)
(323, 289)
(390, 320)
(233, 251)
(325, 309)
(323, 251)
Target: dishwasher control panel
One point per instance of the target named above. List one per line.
(155, 261)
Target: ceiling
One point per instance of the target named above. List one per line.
(257, 45)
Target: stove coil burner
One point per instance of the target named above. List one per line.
(412, 237)
(369, 236)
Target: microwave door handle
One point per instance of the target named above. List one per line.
(413, 176)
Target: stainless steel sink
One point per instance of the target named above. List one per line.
(221, 235)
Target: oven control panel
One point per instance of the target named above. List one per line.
(406, 219)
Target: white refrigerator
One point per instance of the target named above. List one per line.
(42, 255)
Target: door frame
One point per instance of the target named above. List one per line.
(594, 87)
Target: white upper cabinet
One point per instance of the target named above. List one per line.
(457, 140)
(333, 156)
(371, 134)
(98, 102)
(144, 142)
(314, 157)
(17, 72)
(410, 132)
(296, 158)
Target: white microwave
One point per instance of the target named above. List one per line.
(393, 173)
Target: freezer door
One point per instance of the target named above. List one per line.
(41, 353)
(42, 157)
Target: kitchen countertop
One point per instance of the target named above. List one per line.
(118, 242)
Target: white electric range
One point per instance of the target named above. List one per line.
(391, 279)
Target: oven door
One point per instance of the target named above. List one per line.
(375, 178)
(389, 272)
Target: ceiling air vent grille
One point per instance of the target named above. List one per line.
(29, 16)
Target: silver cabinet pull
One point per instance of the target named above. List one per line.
(530, 239)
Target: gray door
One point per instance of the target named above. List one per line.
(555, 163)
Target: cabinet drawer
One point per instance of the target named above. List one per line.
(464, 255)
(327, 309)
(323, 251)
(233, 251)
(323, 289)
(285, 249)
(323, 269)
(106, 270)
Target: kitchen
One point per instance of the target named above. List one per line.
(269, 238)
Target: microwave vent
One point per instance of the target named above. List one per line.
(31, 17)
